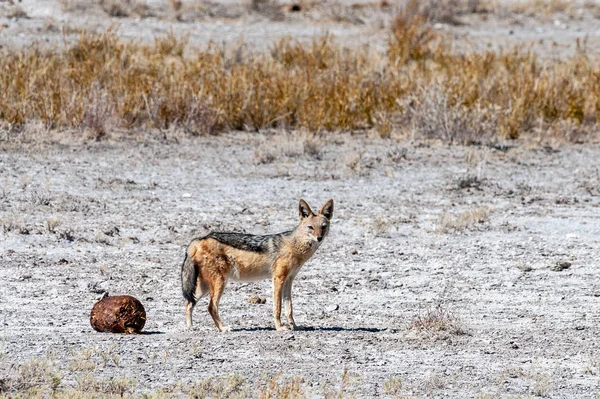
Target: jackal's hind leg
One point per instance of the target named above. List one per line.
(189, 308)
(216, 290)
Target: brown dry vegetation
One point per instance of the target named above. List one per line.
(420, 87)
(438, 319)
(42, 378)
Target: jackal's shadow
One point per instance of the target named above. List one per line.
(312, 328)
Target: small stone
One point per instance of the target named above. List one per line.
(257, 300)
(524, 268)
(354, 252)
(560, 266)
(332, 308)
(187, 195)
(95, 288)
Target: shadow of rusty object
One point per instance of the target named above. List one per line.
(118, 314)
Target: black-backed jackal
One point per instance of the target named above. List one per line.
(212, 260)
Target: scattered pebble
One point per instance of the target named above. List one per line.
(560, 266)
(256, 299)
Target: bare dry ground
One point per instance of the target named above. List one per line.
(549, 27)
(449, 271)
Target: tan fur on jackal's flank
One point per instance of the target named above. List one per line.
(212, 260)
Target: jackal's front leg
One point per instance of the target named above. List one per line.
(287, 298)
(278, 282)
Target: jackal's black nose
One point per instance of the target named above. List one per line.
(320, 238)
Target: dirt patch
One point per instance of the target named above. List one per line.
(79, 220)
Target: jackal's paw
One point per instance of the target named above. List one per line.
(282, 328)
(225, 329)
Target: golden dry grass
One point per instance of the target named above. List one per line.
(419, 86)
(43, 378)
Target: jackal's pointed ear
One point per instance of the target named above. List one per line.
(327, 209)
(304, 209)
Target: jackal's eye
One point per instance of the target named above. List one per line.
(311, 228)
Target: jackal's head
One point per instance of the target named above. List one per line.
(314, 227)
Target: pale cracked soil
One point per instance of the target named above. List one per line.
(82, 218)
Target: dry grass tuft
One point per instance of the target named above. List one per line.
(269, 8)
(393, 386)
(542, 7)
(469, 181)
(224, 387)
(126, 8)
(52, 224)
(102, 83)
(469, 220)
(433, 117)
(438, 319)
(38, 374)
(380, 226)
(286, 389)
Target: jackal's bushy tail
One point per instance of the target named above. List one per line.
(189, 277)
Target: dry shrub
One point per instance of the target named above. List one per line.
(469, 181)
(220, 387)
(101, 83)
(542, 7)
(437, 319)
(412, 36)
(393, 386)
(313, 146)
(37, 374)
(126, 8)
(13, 11)
(286, 389)
(469, 220)
(445, 11)
(269, 8)
(432, 117)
